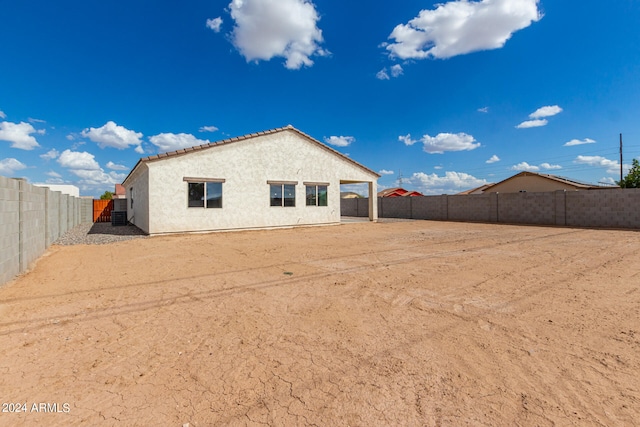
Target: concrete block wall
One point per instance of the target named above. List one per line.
(476, 207)
(429, 207)
(9, 228)
(527, 208)
(394, 207)
(86, 209)
(63, 215)
(612, 208)
(349, 207)
(53, 208)
(604, 208)
(31, 219)
(32, 223)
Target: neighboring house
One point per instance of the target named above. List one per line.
(350, 195)
(276, 178)
(398, 192)
(477, 190)
(120, 192)
(535, 182)
(70, 190)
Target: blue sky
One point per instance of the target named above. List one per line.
(449, 95)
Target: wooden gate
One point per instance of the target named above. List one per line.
(102, 210)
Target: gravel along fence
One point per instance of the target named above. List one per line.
(99, 234)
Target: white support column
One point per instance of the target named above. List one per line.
(373, 201)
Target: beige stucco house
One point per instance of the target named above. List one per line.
(276, 178)
(535, 183)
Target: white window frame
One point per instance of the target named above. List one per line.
(317, 198)
(204, 181)
(282, 200)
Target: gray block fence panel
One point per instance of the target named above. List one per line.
(604, 208)
(610, 208)
(395, 207)
(31, 219)
(476, 207)
(527, 208)
(349, 207)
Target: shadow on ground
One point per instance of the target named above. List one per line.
(115, 230)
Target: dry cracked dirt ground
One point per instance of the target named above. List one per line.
(412, 323)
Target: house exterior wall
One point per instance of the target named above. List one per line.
(246, 166)
(138, 199)
(529, 183)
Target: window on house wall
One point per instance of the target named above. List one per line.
(204, 192)
(316, 194)
(282, 194)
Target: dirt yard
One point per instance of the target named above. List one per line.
(411, 323)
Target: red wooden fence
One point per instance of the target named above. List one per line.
(102, 210)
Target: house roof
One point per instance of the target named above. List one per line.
(388, 191)
(478, 189)
(189, 150)
(399, 191)
(563, 180)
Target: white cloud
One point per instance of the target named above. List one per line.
(339, 141)
(19, 135)
(612, 166)
(460, 27)
(597, 161)
(608, 180)
(116, 167)
(208, 129)
(532, 124)
(396, 70)
(483, 110)
(537, 119)
(437, 168)
(449, 142)
(214, 24)
(451, 182)
(70, 137)
(579, 142)
(78, 160)
(548, 166)
(53, 174)
(284, 28)
(547, 111)
(382, 74)
(524, 166)
(98, 178)
(84, 166)
(175, 141)
(406, 139)
(10, 166)
(2, 115)
(385, 172)
(77, 145)
(50, 155)
(493, 159)
(32, 120)
(113, 135)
